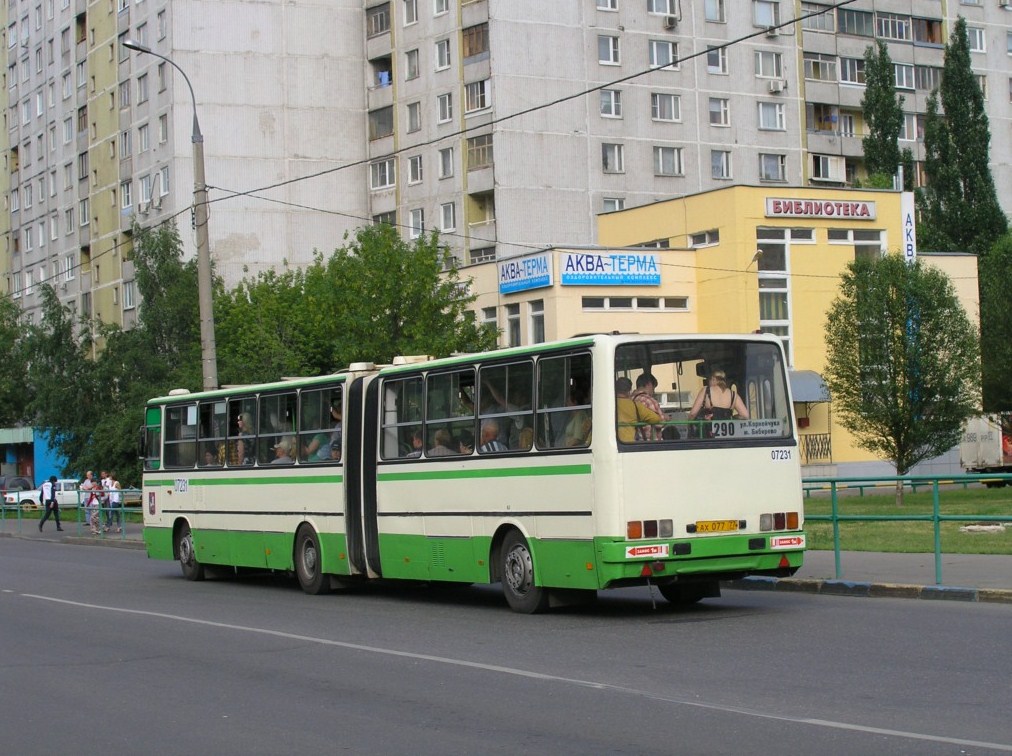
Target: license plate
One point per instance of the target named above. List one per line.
(716, 526)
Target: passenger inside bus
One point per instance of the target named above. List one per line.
(630, 416)
(717, 400)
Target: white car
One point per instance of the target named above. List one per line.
(66, 496)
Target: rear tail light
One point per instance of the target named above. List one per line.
(649, 529)
(779, 521)
(634, 529)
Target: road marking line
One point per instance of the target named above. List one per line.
(535, 676)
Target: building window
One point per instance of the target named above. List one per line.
(716, 60)
(858, 23)
(440, 7)
(613, 158)
(446, 162)
(411, 64)
(389, 218)
(765, 13)
(823, 20)
(475, 40)
(513, 325)
(665, 107)
(827, 168)
(611, 103)
(928, 31)
(771, 116)
(84, 210)
(607, 5)
(613, 204)
(852, 71)
(772, 167)
(126, 194)
(976, 38)
(448, 217)
(608, 50)
(668, 161)
(869, 243)
(416, 223)
(663, 7)
(410, 12)
(720, 164)
(142, 88)
(476, 96)
(819, 67)
(129, 295)
(663, 54)
(774, 293)
(769, 64)
(381, 174)
(713, 10)
(892, 26)
(488, 314)
(163, 180)
(414, 169)
(163, 128)
(377, 20)
(442, 54)
(414, 116)
(444, 108)
(927, 78)
(903, 73)
(143, 138)
(720, 112)
(537, 322)
(479, 152)
(381, 122)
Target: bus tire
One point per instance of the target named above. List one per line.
(307, 563)
(192, 569)
(685, 594)
(517, 571)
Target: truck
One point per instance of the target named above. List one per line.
(986, 446)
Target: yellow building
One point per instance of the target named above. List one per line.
(732, 260)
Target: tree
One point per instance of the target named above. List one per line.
(13, 364)
(883, 114)
(994, 277)
(902, 360)
(373, 299)
(959, 207)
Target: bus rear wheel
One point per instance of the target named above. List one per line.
(192, 569)
(307, 563)
(685, 594)
(517, 570)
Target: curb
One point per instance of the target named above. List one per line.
(124, 543)
(873, 590)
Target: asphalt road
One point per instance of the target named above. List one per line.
(107, 652)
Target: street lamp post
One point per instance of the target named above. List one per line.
(209, 352)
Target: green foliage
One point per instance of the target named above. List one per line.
(13, 364)
(883, 114)
(902, 360)
(959, 207)
(373, 299)
(994, 276)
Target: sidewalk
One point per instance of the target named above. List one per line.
(965, 577)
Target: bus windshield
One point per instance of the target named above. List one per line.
(700, 391)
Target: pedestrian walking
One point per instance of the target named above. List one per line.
(90, 499)
(114, 511)
(106, 482)
(51, 504)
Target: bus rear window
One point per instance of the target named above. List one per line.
(699, 392)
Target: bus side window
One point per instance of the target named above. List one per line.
(564, 411)
(402, 416)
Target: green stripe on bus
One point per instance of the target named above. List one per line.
(248, 480)
(511, 472)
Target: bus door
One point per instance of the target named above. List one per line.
(360, 476)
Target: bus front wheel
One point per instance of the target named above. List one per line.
(307, 563)
(517, 570)
(192, 569)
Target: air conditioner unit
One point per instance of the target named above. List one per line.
(772, 31)
(1005, 3)
(156, 201)
(671, 22)
(776, 86)
(143, 207)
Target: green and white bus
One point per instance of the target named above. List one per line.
(521, 466)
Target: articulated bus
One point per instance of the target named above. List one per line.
(521, 466)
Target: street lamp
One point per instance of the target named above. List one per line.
(209, 352)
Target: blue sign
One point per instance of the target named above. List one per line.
(523, 273)
(609, 269)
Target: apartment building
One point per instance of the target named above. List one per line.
(508, 125)
(99, 137)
